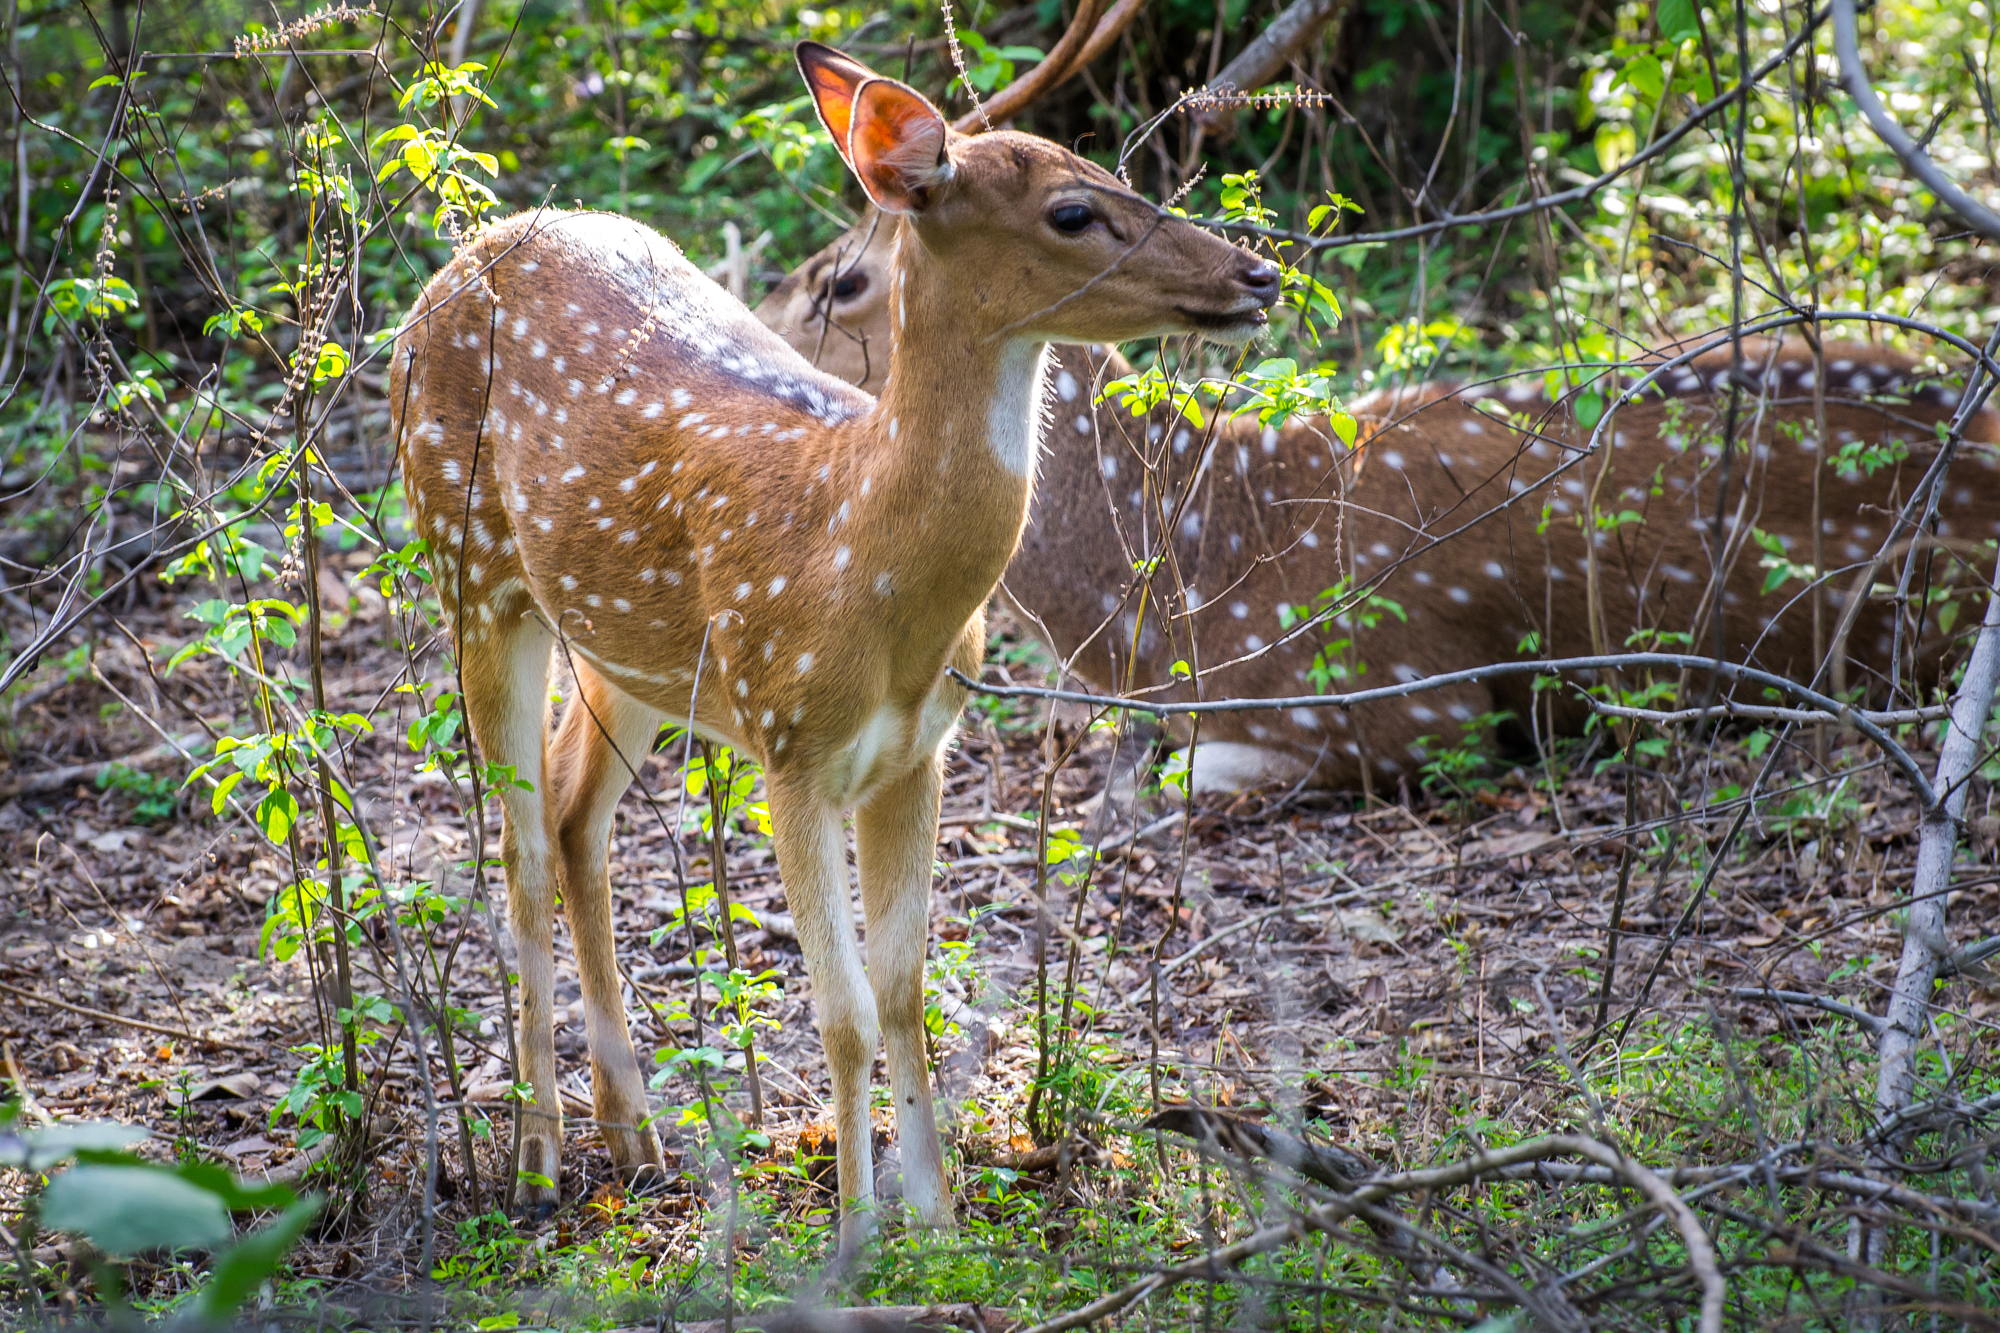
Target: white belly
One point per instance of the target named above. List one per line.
(891, 743)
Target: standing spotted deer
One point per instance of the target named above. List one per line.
(613, 459)
(1461, 507)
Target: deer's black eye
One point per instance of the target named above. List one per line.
(849, 285)
(1071, 219)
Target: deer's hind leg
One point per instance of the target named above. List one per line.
(506, 703)
(604, 738)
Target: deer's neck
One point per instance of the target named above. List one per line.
(955, 433)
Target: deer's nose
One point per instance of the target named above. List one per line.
(1260, 278)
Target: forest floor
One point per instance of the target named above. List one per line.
(1386, 976)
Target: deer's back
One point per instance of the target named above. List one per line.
(1463, 516)
(585, 421)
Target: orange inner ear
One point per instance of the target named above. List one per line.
(833, 79)
(896, 140)
(891, 121)
(836, 108)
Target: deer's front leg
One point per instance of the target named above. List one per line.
(896, 833)
(812, 859)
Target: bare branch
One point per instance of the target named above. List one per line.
(1543, 667)
(1871, 1024)
(1057, 65)
(1265, 58)
(1729, 711)
(1926, 945)
(1211, 1265)
(1854, 77)
(1577, 194)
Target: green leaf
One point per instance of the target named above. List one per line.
(276, 813)
(1616, 141)
(1646, 76)
(1677, 21)
(222, 790)
(236, 1195)
(704, 167)
(130, 1209)
(39, 1149)
(240, 1269)
(332, 362)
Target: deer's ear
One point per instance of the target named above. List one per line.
(896, 145)
(834, 78)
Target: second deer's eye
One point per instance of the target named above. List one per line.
(1070, 219)
(849, 285)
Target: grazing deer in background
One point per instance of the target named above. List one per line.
(1277, 517)
(610, 456)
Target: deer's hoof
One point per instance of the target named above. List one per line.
(645, 1178)
(633, 1152)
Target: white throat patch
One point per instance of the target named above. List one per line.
(1019, 412)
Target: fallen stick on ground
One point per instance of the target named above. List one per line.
(858, 1319)
(102, 1016)
(1336, 1168)
(57, 779)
